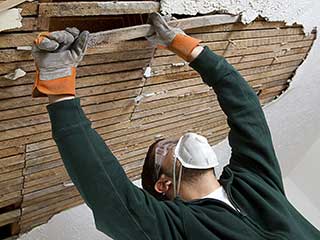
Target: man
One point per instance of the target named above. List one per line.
(247, 202)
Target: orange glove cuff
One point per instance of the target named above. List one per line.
(59, 86)
(40, 37)
(183, 45)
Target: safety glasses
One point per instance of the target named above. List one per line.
(161, 152)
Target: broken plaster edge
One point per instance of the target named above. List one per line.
(249, 10)
(10, 19)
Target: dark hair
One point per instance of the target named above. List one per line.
(149, 176)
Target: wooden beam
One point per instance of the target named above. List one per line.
(10, 4)
(63, 9)
(128, 33)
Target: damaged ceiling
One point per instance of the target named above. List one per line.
(131, 92)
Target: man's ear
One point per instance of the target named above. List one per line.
(163, 184)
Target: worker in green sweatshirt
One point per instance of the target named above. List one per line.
(182, 198)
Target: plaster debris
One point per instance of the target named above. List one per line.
(24, 48)
(139, 98)
(18, 73)
(181, 64)
(10, 19)
(147, 72)
(273, 10)
(68, 184)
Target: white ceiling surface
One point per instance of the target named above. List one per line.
(294, 120)
(282, 10)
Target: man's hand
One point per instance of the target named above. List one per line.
(172, 38)
(57, 54)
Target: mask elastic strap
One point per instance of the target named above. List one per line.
(174, 177)
(179, 179)
(176, 186)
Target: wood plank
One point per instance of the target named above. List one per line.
(43, 159)
(10, 151)
(10, 197)
(42, 167)
(206, 107)
(5, 5)
(48, 202)
(48, 135)
(30, 220)
(239, 26)
(10, 175)
(39, 199)
(239, 35)
(82, 71)
(10, 161)
(146, 127)
(42, 194)
(43, 218)
(29, 8)
(132, 139)
(86, 100)
(8, 202)
(140, 31)
(8, 169)
(235, 57)
(9, 217)
(177, 109)
(30, 130)
(20, 39)
(42, 152)
(169, 69)
(45, 183)
(63, 9)
(47, 173)
(7, 188)
(47, 152)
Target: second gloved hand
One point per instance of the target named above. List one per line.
(172, 38)
(57, 54)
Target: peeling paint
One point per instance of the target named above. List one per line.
(289, 11)
(10, 19)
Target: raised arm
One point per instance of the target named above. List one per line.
(249, 137)
(121, 210)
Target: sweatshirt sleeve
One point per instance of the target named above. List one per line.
(121, 210)
(249, 135)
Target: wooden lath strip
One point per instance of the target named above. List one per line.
(64, 9)
(9, 217)
(10, 4)
(143, 30)
(43, 118)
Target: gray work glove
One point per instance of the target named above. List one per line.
(174, 39)
(161, 33)
(57, 54)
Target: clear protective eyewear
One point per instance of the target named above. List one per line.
(161, 152)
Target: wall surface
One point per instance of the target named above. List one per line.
(294, 123)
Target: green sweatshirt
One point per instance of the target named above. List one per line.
(252, 180)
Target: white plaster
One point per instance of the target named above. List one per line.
(290, 11)
(294, 122)
(10, 19)
(18, 73)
